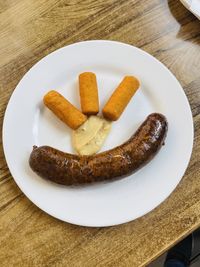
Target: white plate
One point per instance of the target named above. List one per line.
(27, 122)
(192, 6)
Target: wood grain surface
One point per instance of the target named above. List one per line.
(31, 29)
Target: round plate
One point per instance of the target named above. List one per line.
(190, 7)
(27, 122)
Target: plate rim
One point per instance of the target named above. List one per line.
(187, 6)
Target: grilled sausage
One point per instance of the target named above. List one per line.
(68, 169)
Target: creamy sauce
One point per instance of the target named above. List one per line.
(90, 136)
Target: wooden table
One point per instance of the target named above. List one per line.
(31, 29)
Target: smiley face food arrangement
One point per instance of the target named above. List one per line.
(89, 132)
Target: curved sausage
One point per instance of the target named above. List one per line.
(68, 169)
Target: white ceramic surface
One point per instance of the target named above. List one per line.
(193, 6)
(27, 122)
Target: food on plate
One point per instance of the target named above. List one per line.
(120, 98)
(90, 136)
(64, 110)
(69, 169)
(88, 93)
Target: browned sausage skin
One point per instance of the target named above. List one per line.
(68, 169)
